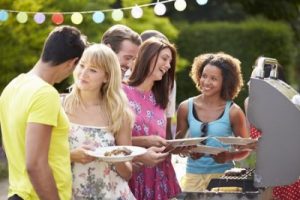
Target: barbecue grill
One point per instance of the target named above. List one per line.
(271, 110)
(243, 181)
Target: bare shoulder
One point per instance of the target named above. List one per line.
(183, 107)
(236, 111)
(235, 108)
(183, 104)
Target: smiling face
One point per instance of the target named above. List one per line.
(127, 54)
(211, 80)
(162, 64)
(88, 77)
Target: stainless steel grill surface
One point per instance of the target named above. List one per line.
(244, 181)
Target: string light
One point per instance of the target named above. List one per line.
(3, 15)
(180, 5)
(57, 18)
(117, 14)
(98, 16)
(202, 2)
(39, 18)
(22, 17)
(76, 18)
(160, 9)
(137, 12)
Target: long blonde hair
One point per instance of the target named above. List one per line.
(114, 99)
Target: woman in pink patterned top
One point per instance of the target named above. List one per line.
(147, 91)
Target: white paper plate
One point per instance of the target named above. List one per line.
(186, 141)
(208, 149)
(236, 140)
(99, 153)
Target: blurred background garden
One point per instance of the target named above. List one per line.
(245, 29)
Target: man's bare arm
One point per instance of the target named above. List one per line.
(38, 137)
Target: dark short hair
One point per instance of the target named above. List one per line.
(148, 53)
(230, 69)
(153, 33)
(116, 34)
(63, 43)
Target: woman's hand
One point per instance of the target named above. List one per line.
(223, 157)
(157, 141)
(79, 155)
(250, 146)
(152, 157)
(196, 156)
(226, 156)
(136, 166)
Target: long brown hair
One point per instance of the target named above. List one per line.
(149, 52)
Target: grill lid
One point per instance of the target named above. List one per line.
(272, 111)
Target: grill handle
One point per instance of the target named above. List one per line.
(259, 71)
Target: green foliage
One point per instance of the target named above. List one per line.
(22, 43)
(245, 41)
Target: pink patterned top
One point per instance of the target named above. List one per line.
(157, 182)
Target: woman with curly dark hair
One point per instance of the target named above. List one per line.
(214, 114)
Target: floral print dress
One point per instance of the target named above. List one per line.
(96, 180)
(151, 183)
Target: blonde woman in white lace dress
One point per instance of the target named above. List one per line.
(99, 114)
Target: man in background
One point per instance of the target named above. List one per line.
(124, 42)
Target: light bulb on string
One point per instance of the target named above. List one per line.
(202, 2)
(160, 9)
(180, 5)
(76, 18)
(57, 18)
(117, 14)
(39, 18)
(22, 17)
(98, 17)
(3, 15)
(137, 12)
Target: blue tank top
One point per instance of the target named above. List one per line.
(220, 127)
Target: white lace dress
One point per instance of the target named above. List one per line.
(96, 180)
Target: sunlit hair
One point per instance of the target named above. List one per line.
(116, 34)
(147, 56)
(230, 69)
(153, 33)
(114, 99)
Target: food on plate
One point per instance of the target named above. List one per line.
(235, 171)
(227, 189)
(118, 151)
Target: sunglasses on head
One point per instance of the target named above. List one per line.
(204, 129)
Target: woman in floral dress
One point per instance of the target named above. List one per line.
(100, 116)
(147, 90)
